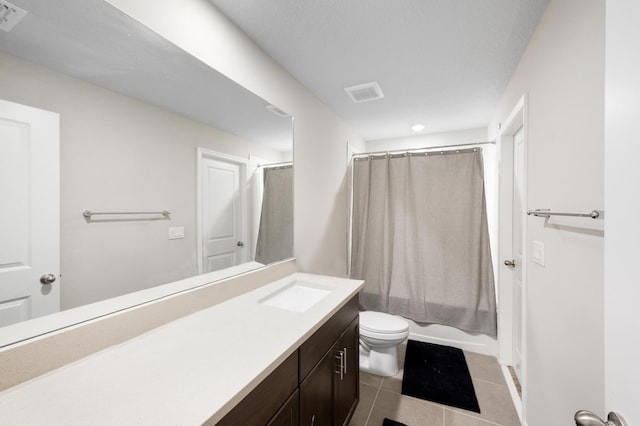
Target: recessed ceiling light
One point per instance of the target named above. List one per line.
(417, 127)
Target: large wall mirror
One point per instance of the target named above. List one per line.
(200, 165)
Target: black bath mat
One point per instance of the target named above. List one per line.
(389, 422)
(439, 374)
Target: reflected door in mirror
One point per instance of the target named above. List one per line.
(29, 216)
(223, 213)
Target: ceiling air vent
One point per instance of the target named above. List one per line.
(10, 15)
(364, 92)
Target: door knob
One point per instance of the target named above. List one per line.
(587, 418)
(47, 279)
(510, 263)
(240, 244)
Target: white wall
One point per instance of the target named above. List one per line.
(320, 137)
(429, 139)
(622, 175)
(119, 154)
(562, 70)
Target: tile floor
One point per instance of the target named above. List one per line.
(381, 397)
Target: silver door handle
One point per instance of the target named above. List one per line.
(510, 263)
(240, 244)
(587, 418)
(47, 279)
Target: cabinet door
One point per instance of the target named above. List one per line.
(316, 396)
(324, 338)
(347, 385)
(289, 414)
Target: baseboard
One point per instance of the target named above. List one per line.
(450, 336)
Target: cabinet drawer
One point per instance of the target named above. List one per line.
(312, 351)
(267, 398)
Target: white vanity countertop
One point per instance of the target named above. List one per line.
(181, 373)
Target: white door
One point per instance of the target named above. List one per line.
(517, 247)
(622, 204)
(29, 213)
(223, 212)
(512, 272)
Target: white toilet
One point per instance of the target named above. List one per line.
(380, 334)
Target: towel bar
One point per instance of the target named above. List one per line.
(88, 213)
(594, 214)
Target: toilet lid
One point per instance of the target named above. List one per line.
(382, 323)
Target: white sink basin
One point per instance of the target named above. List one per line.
(297, 297)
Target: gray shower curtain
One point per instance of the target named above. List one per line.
(275, 235)
(420, 238)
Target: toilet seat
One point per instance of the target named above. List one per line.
(382, 326)
(400, 336)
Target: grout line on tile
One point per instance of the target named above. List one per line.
(473, 417)
(375, 399)
(444, 416)
(489, 381)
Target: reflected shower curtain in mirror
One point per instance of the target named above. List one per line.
(420, 238)
(275, 236)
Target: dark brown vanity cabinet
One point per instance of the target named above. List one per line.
(318, 385)
(329, 394)
(316, 394)
(268, 399)
(289, 413)
(347, 387)
(329, 370)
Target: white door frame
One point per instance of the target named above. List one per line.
(516, 119)
(204, 153)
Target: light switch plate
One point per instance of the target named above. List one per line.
(176, 232)
(10, 15)
(538, 253)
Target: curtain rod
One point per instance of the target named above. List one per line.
(282, 164)
(400, 151)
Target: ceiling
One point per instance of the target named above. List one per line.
(93, 41)
(442, 63)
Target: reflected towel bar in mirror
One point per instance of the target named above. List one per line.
(88, 213)
(594, 214)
